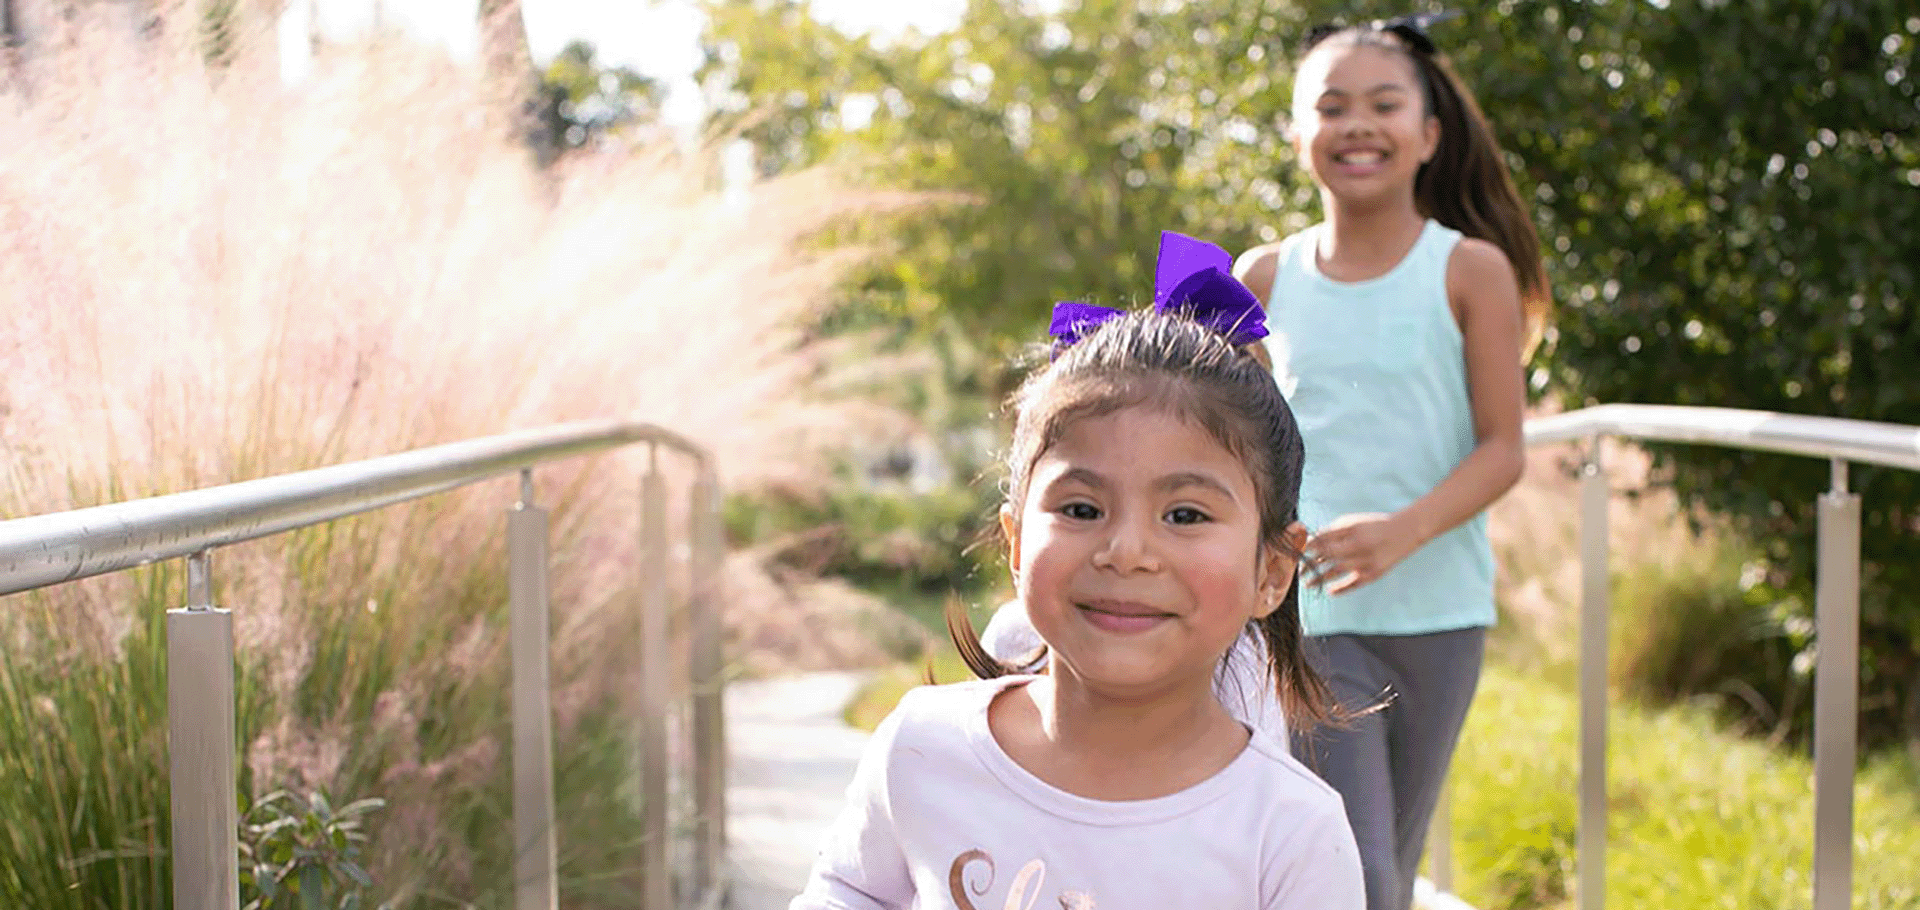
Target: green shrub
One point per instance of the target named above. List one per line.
(1704, 626)
(876, 699)
(912, 518)
(906, 545)
(83, 762)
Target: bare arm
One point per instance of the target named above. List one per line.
(1486, 298)
(1255, 269)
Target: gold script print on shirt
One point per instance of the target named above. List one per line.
(1022, 891)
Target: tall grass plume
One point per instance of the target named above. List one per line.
(210, 276)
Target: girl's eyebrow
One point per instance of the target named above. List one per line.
(1183, 479)
(1166, 484)
(1081, 476)
(1382, 87)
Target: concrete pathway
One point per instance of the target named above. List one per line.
(792, 758)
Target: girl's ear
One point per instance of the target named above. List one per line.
(1278, 567)
(1010, 528)
(1432, 139)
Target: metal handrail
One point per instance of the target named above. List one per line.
(1837, 605)
(67, 546)
(44, 550)
(1893, 445)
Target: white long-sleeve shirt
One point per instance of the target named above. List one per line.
(939, 816)
(1244, 686)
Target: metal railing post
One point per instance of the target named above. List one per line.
(1592, 844)
(201, 748)
(1836, 692)
(708, 669)
(655, 698)
(534, 882)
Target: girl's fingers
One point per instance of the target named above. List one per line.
(1343, 574)
(1326, 548)
(1349, 583)
(1320, 571)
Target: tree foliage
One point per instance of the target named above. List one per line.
(1069, 140)
(1730, 206)
(582, 101)
(1725, 190)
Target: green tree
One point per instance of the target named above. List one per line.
(1731, 209)
(1067, 141)
(581, 100)
(1057, 148)
(1725, 191)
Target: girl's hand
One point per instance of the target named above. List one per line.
(1358, 548)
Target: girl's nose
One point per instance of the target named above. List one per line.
(1128, 548)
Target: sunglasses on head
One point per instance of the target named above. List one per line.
(1410, 29)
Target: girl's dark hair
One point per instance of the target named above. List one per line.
(1171, 363)
(1465, 186)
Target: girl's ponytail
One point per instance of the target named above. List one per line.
(975, 655)
(1305, 698)
(1466, 186)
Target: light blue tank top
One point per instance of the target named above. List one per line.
(1376, 374)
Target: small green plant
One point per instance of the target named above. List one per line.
(301, 852)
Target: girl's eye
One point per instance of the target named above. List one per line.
(1329, 112)
(1387, 108)
(1080, 511)
(1186, 515)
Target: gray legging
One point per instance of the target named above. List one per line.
(1389, 765)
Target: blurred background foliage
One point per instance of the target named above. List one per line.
(1723, 190)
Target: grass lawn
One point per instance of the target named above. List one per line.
(1699, 818)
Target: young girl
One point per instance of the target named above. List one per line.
(1150, 518)
(1398, 334)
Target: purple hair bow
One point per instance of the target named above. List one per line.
(1191, 276)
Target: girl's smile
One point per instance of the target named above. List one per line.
(1122, 617)
(1138, 551)
(1360, 162)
